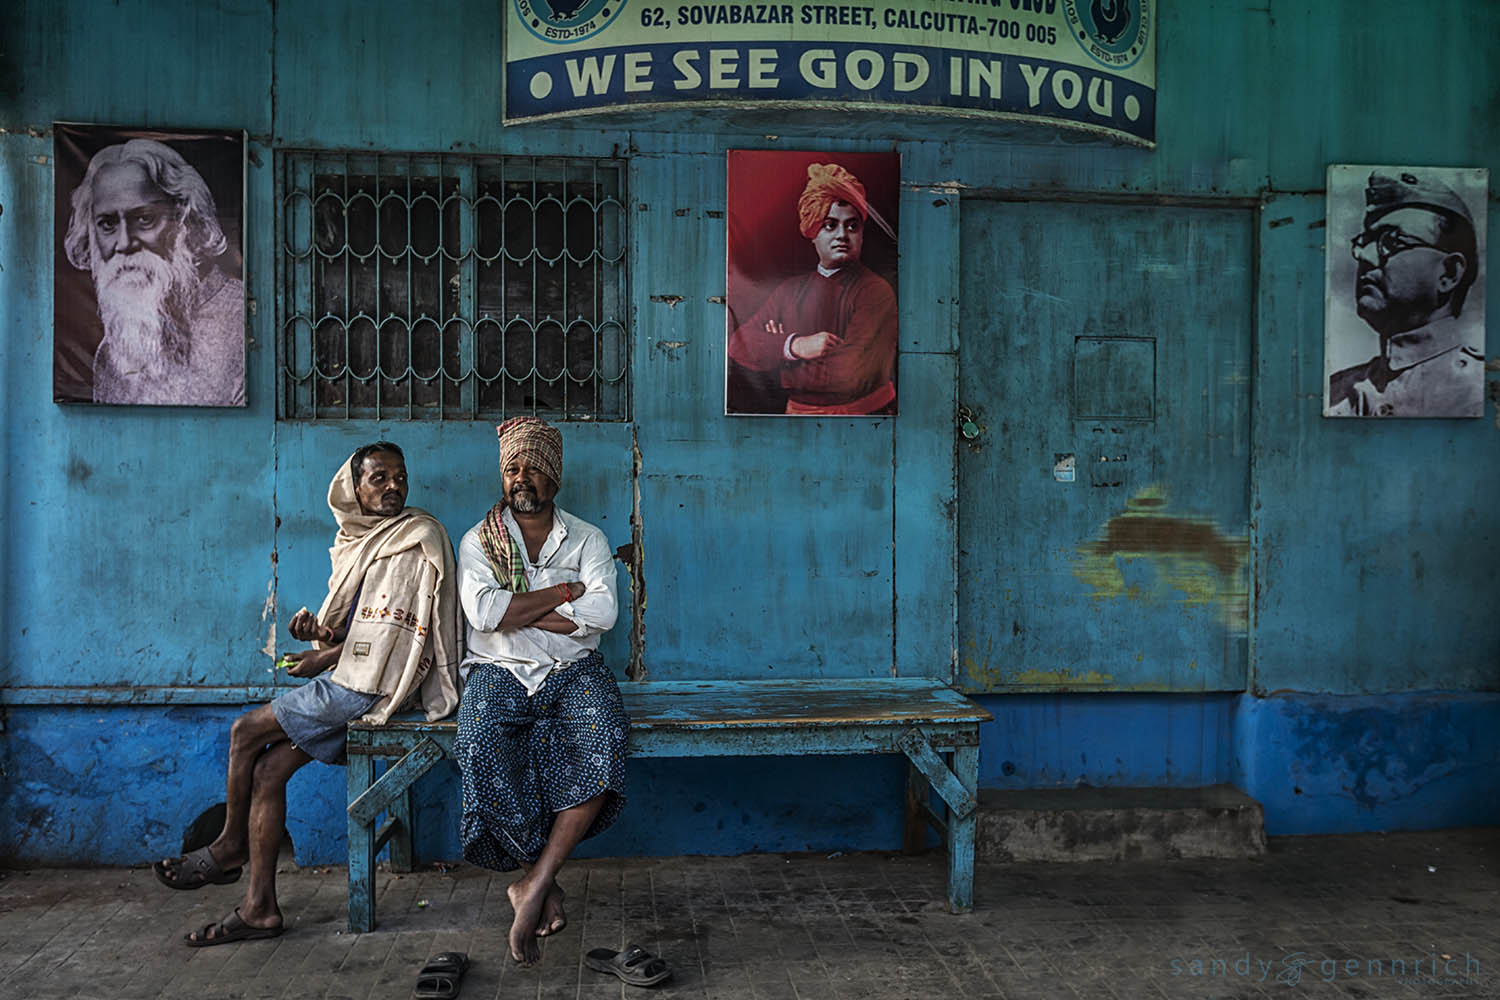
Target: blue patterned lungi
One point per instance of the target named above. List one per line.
(524, 758)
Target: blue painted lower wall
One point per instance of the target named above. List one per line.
(1348, 763)
(1316, 763)
(1104, 740)
(117, 785)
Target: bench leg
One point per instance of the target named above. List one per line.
(361, 850)
(914, 831)
(961, 834)
(957, 783)
(401, 834)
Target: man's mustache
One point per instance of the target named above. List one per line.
(155, 270)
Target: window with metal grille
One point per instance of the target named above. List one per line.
(440, 287)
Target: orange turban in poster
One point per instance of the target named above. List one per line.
(827, 184)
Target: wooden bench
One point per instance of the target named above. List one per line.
(923, 719)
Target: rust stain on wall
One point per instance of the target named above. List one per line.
(1196, 564)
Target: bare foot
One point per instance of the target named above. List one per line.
(526, 897)
(553, 918)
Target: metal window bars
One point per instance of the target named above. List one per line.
(443, 287)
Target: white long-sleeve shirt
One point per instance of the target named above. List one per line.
(574, 550)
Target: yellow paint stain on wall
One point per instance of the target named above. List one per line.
(1059, 678)
(1194, 563)
(978, 670)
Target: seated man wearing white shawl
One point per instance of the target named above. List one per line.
(386, 638)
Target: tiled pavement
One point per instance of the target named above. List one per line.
(1316, 917)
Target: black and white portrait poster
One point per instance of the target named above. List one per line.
(148, 279)
(811, 283)
(1404, 310)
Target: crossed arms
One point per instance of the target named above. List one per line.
(583, 566)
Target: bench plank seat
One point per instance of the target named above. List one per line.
(922, 719)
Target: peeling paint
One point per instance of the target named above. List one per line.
(636, 669)
(668, 347)
(670, 300)
(268, 614)
(1195, 564)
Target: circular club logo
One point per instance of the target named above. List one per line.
(565, 21)
(1112, 32)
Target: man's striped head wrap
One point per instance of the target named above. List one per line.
(535, 442)
(539, 445)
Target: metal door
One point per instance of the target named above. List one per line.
(1103, 452)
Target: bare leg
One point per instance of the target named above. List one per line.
(553, 917)
(267, 820)
(248, 739)
(529, 892)
(247, 748)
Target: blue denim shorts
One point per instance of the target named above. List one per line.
(314, 716)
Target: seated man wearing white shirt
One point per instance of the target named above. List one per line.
(541, 729)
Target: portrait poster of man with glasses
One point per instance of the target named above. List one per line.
(1404, 331)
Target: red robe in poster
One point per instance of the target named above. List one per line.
(858, 306)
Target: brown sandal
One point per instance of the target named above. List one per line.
(193, 870)
(231, 928)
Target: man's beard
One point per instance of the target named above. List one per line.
(144, 303)
(525, 501)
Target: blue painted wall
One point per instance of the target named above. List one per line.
(1336, 763)
(149, 560)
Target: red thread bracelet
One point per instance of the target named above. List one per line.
(567, 592)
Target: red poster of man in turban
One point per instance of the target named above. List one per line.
(811, 283)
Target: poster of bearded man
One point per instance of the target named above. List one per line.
(148, 281)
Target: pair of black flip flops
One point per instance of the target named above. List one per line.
(443, 975)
